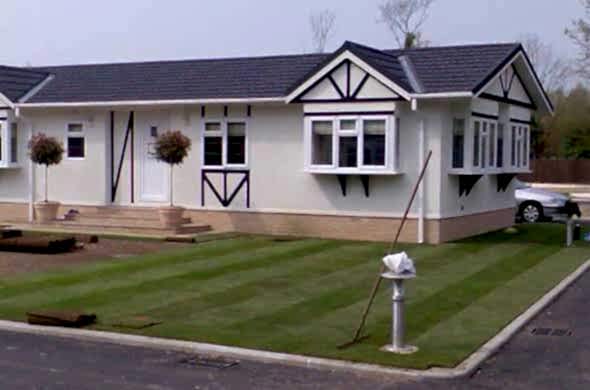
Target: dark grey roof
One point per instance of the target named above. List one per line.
(16, 82)
(438, 69)
(257, 77)
(457, 68)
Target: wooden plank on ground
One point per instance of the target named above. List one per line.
(70, 319)
(38, 244)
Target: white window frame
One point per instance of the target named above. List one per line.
(81, 134)
(389, 167)
(522, 144)
(6, 144)
(484, 163)
(223, 133)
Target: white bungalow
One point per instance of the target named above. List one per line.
(313, 145)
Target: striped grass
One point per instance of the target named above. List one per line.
(305, 296)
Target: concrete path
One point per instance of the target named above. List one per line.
(527, 362)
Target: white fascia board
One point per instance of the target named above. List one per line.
(347, 55)
(6, 101)
(539, 86)
(36, 89)
(154, 102)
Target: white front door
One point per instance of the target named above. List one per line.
(155, 175)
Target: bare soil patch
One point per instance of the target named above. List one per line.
(12, 263)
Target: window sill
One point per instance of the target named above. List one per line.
(4, 165)
(353, 171)
(485, 171)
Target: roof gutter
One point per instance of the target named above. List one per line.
(152, 102)
(443, 95)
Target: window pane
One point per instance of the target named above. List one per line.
(458, 143)
(13, 142)
(492, 153)
(374, 142)
(484, 148)
(519, 148)
(348, 149)
(348, 124)
(213, 151)
(74, 128)
(76, 147)
(500, 142)
(526, 153)
(212, 126)
(513, 146)
(236, 143)
(374, 126)
(374, 149)
(476, 127)
(321, 140)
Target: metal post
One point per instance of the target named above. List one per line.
(569, 240)
(398, 327)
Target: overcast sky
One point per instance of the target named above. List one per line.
(44, 32)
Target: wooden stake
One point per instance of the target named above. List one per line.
(393, 244)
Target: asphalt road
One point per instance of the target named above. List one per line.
(527, 362)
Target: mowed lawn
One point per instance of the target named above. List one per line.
(305, 296)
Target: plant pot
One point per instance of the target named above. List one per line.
(46, 211)
(171, 216)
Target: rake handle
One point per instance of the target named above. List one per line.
(393, 244)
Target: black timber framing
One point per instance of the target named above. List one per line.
(520, 121)
(466, 183)
(129, 138)
(225, 199)
(343, 181)
(485, 116)
(503, 181)
(511, 57)
(347, 95)
(500, 99)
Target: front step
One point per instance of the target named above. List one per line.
(115, 220)
(75, 226)
(121, 220)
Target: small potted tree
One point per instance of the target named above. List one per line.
(44, 150)
(172, 147)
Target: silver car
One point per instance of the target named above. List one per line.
(536, 204)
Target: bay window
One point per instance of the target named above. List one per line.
(224, 143)
(351, 143)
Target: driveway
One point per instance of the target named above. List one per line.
(527, 362)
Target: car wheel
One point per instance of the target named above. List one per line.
(531, 212)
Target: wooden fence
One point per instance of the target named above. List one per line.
(558, 171)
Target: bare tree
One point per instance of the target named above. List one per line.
(405, 18)
(579, 33)
(322, 25)
(553, 70)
